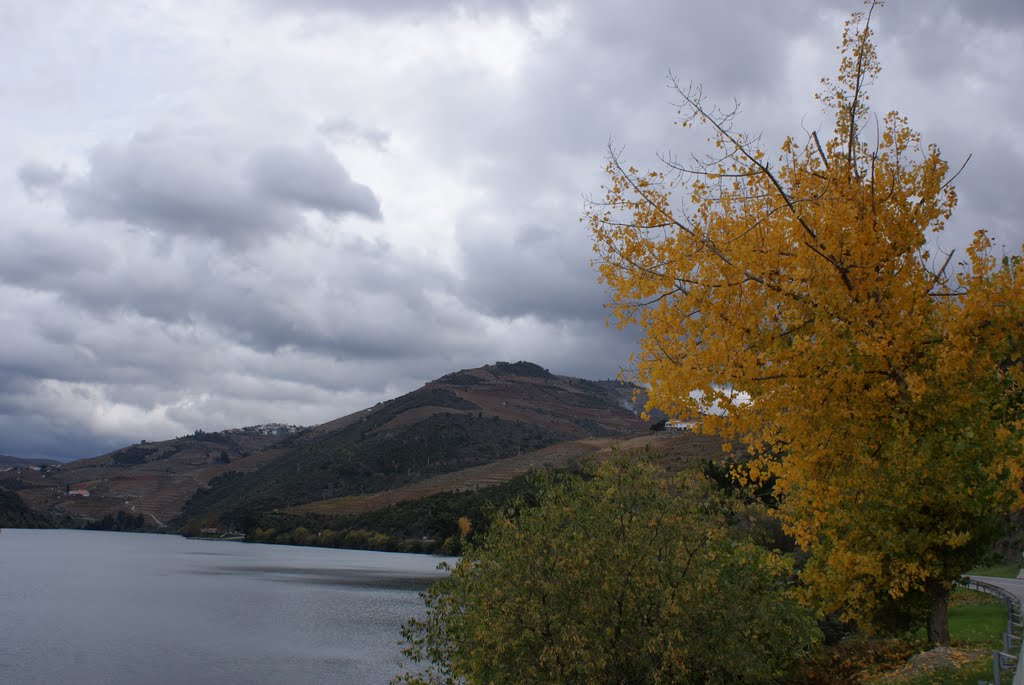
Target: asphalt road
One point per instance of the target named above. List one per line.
(1014, 586)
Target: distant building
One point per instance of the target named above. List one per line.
(80, 493)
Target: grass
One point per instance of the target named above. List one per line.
(978, 620)
(996, 571)
(976, 625)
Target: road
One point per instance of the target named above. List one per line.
(1015, 586)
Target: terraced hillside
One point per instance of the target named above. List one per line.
(465, 419)
(151, 478)
(676, 448)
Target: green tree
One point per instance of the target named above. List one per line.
(621, 576)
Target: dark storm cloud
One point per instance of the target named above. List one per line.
(606, 77)
(953, 37)
(186, 184)
(32, 424)
(154, 183)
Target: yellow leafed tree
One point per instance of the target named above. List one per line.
(793, 304)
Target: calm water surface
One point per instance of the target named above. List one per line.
(96, 607)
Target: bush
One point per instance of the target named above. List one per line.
(618, 576)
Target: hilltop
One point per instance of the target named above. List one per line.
(464, 419)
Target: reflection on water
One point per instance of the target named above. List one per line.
(353, 578)
(96, 607)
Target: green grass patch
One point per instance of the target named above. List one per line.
(978, 621)
(996, 571)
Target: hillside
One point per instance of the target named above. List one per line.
(424, 516)
(14, 513)
(499, 414)
(676, 448)
(150, 478)
(6, 460)
(462, 420)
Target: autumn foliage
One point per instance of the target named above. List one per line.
(797, 303)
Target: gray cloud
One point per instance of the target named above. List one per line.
(156, 184)
(347, 129)
(312, 179)
(530, 270)
(367, 297)
(36, 176)
(181, 183)
(394, 8)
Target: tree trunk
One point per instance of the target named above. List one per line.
(938, 616)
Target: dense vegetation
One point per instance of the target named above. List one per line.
(430, 524)
(355, 460)
(14, 513)
(622, 576)
(123, 522)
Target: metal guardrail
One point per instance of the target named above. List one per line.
(1010, 656)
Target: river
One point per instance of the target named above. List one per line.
(96, 607)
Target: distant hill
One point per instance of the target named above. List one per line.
(150, 478)
(464, 419)
(6, 460)
(500, 418)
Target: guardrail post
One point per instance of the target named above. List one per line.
(1013, 638)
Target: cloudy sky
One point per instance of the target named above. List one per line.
(227, 213)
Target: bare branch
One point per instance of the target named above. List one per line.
(820, 150)
(953, 177)
(723, 128)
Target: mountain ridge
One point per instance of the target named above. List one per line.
(460, 420)
(463, 419)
